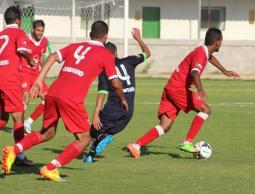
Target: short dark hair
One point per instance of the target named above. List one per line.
(98, 29)
(212, 35)
(111, 47)
(38, 23)
(11, 14)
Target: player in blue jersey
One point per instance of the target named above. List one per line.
(112, 119)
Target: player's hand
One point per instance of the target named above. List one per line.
(124, 105)
(36, 89)
(231, 74)
(32, 63)
(96, 122)
(136, 34)
(201, 94)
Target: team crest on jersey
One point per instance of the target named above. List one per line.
(24, 84)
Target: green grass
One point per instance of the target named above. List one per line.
(163, 168)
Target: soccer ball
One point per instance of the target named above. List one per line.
(204, 150)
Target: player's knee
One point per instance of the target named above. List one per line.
(84, 139)
(207, 110)
(48, 133)
(17, 117)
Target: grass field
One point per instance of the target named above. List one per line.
(163, 168)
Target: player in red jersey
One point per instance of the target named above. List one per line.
(13, 42)
(37, 45)
(83, 63)
(178, 96)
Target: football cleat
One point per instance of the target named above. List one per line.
(8, 159)
(187, 147)
(88, 159)
(103, 143)
(52, 175)
(134, 150)
(24, 162)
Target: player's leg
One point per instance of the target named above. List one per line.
(108, 121)
(75, 119)
(167, 113)
(4, 116)
(108, 134)
(11, 152)
(70, 152)
(203, 112)
(38, 111)
(49, 129)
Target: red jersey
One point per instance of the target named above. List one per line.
(36, 50)
(83, 63)
(196, 60)
(12, 39)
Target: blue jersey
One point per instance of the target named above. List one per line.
(125, 68)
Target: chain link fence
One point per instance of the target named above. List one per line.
(67, 21)
(62, 20)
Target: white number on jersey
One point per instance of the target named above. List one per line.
(6, 41)
(125, 76)
(79, 54)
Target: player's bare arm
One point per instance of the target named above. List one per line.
(137, 36)
(42, 61)
(99, 103)
(26, 55)
(36, 88)
(197, 81)
(119, 91)
(214, 61)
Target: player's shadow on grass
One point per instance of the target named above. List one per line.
(146, 150)
(80, 157)
(7, 130)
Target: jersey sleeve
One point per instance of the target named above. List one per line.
(137, 59)
(109, 66)
(197, 62)
(63, 53)
(44, 46)
(103, 84)
(22, 41)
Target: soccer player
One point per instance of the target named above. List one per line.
(13, 43)
(178, 96)
(112, 119)
(83, 63)
(37, 45)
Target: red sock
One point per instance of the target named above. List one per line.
(2, 124)
(152, 134)
(28, 141)
(196, 125)
(37, 112)
(71, 152)
(18, 131)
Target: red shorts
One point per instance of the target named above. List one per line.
(27, 81)
(12, 99)
(73, 114)
(172, 101)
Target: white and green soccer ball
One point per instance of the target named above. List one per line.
(204, 150)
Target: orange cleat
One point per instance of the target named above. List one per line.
(8, 159)
(52, 175)
(134, 150)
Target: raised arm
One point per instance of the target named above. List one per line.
(214, 61)
(137, 36)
